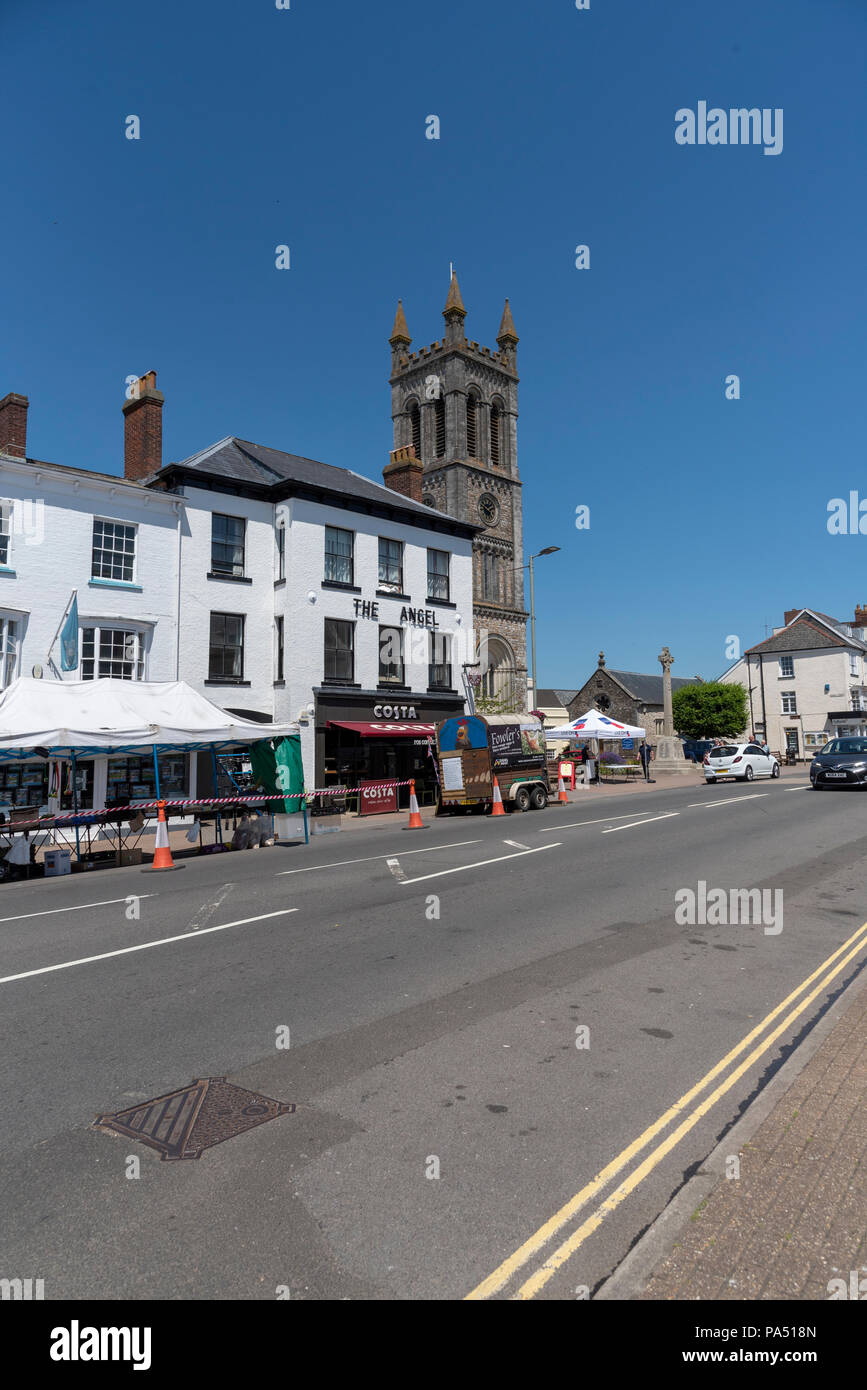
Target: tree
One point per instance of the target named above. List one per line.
(492, 704)
(710, 710)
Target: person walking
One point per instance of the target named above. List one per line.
(645, 753)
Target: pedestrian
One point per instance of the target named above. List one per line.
(646, 753)
(766, 747)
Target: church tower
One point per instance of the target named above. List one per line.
(455, 407)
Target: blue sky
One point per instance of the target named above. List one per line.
(306, 127)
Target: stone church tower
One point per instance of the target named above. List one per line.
(455, 408)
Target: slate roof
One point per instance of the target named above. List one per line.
(240, 461)
(810, 631)
(551, 699)
(647, 689)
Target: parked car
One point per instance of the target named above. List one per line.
(744, 760)
(841, 763)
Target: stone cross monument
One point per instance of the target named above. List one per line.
(669, 750)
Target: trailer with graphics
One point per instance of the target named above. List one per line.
(472, 750)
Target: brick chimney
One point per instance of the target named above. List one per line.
(860, 619)
(789, 614)
(13, 425)
(143, 429)
(403, 473)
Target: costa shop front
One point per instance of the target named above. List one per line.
(366, 737)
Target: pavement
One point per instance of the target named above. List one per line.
(508, 1056)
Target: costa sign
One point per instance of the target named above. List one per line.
(376, 797)
(394, 712)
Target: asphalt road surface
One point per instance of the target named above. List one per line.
(505, 1050)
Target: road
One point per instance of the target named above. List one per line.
(508, 1003)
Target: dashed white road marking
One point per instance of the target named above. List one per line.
(144, 946)
(207, 910)
(730, 800)
(799, 789)
(516, 844)
(480, 863)
(613, 829)
(340, 863)
(79, 907)
(600, 820)
(394, 865)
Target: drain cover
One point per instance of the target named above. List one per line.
(185, 1123)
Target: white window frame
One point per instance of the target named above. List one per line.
(7, 621)
(110, 578)
(7, 513)
(98, 627)
(787, 668)
(853, 664)
(788, 702)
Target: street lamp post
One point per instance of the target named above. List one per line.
(549, 550)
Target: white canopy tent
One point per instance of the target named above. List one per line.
(59, 718)
(595, 725)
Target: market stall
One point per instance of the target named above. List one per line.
(594, 728)
(89, 760)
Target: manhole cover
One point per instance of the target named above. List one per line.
(185, 1123)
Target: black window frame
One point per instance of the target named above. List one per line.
(439, 672)
(224, 647)
(335, 560)
(436, 575)
(221, 567)
(279, 638)
(331, 654)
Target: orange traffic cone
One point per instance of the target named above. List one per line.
(415, 820)
(497, 809)
(162, 853)
(562, 798)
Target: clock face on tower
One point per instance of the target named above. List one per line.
(488, 509)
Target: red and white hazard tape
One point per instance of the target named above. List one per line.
(12, 827)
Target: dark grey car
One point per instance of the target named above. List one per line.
(841, 763)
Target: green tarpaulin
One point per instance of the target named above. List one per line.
(276, 765)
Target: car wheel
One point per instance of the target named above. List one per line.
(709, 781)
(748, 773)
(775, 770)
(522, 799)
(539, 799)
(817, 786)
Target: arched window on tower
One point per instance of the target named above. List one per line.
(440, 417)
(496, 433)
(472, 425)
(415, 426)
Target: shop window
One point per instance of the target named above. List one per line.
(438, 574)
(226, 647)
(134, 779)
(390, 564)
(113, 555)
(112, 652)
(440, 667)
(391, 656)
(8, 651)
(339, 650)
(339, 547)
(227, 545)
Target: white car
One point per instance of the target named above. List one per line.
(744, 760)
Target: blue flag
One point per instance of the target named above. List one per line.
(69, 640)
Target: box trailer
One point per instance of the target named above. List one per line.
(472, 750)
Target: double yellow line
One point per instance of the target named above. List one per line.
(508, 1269)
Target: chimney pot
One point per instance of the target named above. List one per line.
(403, 473)
(143, 429)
